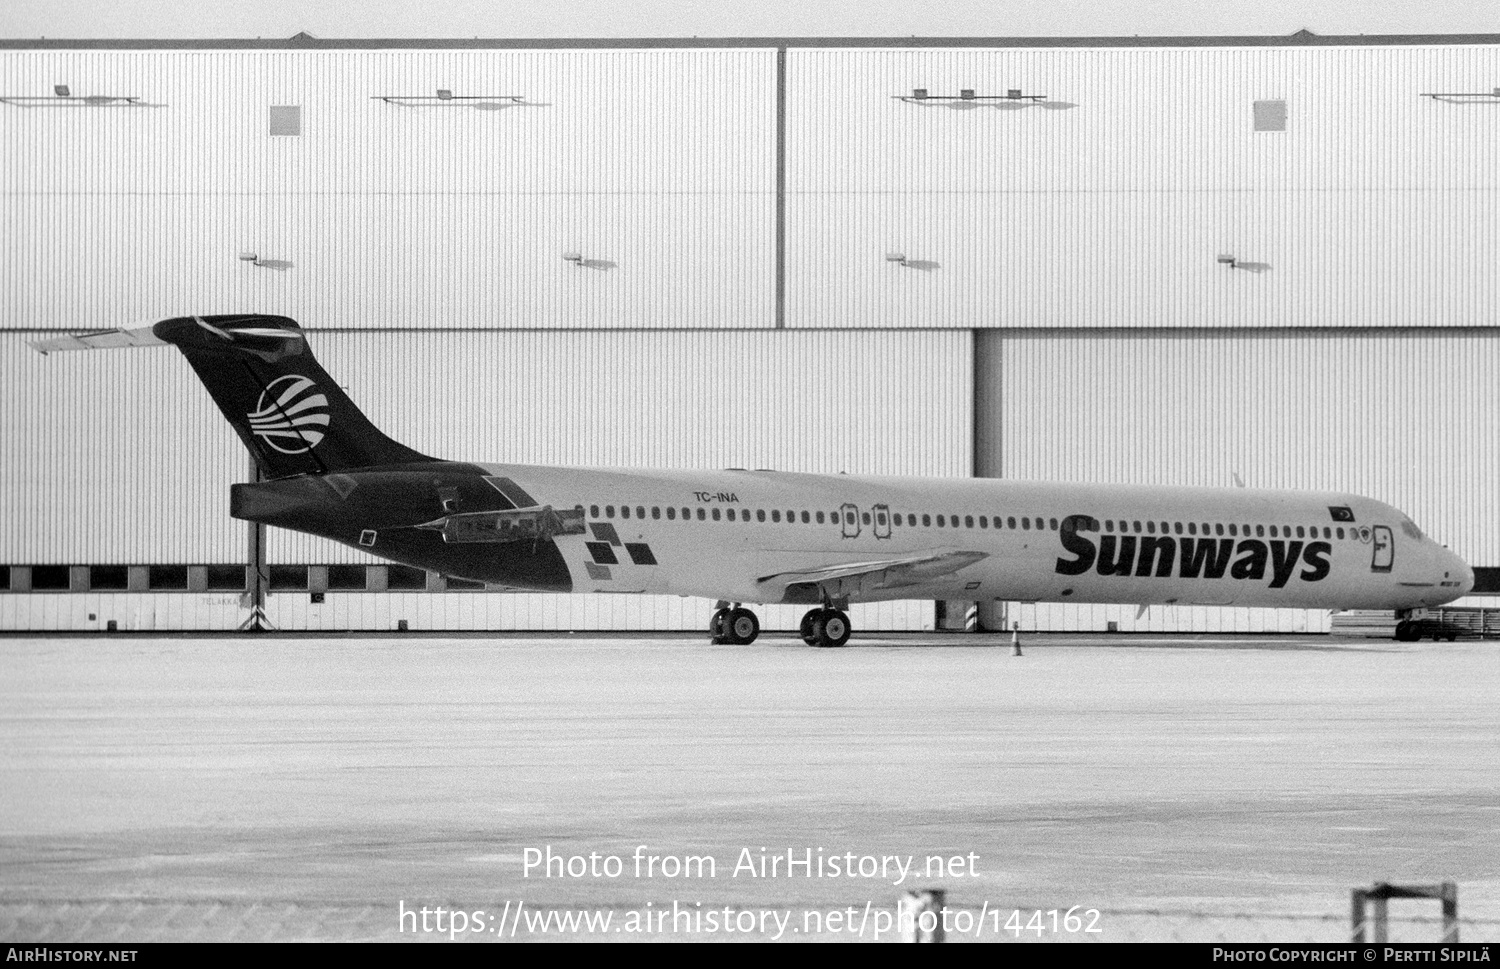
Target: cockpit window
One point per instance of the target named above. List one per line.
(1410, 528)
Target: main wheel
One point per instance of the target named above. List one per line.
(1408, 631)
(806, 629)
(831, 628)
(718, 627)
(743, 627)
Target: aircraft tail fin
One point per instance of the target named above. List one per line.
(290, 414)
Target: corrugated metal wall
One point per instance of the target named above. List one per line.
(657, 167)
(113, 458)
(443, 228)
(1406, 417)
(1376, 207)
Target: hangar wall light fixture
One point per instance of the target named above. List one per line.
(62, 94)
(921, 96)
(446, 98)
(281, 265)
(1492, 97)
(602, 265)
(901, 259)
(1234, 262)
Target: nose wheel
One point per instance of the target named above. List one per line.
(827, 628)
(733, 627)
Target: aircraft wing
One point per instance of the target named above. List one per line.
(854, 577)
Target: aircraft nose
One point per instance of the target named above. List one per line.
(1465, 576)
(1455, 571)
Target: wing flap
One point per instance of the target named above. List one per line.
(897, 573)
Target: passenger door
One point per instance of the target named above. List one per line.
(1384, 544)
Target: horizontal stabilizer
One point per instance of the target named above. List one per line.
(99, 340)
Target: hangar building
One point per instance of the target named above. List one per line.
(1145, 260)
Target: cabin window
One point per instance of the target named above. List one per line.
(1151, 527)
(806, 518)
(624, 511)
(655, 512)
(926, 521)
(717, 515)
(1109, 524)
(1341, 534)
(688, 513)
(819, 517)
(1327, 532)
(984, 521)
(640, 511)
(1137, 526)
(1010, 523)
(940, 521)
(776, 514)
(864, 517)
(1232, 530)
(1273, 531)
(1052, 523)
(760, 514)
(593, 511)
(1300, 532)
(1218, 528)
(609, 511)
(968, 521)
(702, 515)
(730, 514)
(1192, 528)
(1260, 530)
(880, 518)
(671, 513)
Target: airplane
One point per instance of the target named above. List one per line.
(756, 536)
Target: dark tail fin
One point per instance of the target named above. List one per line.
(284, 406)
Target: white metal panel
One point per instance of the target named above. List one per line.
(408, 261)
(1082, 617)
(129, 611)
(1409, 417)
(116, 456)
(1099, 259)
(817, 401)
(599, 121)
(521, 612)
(1145, 119)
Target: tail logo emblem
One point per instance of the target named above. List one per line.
(291, 416)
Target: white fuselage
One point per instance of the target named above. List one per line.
(1128, 544)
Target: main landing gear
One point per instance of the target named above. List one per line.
(827, 627)
(733, 627)
(738, 626)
